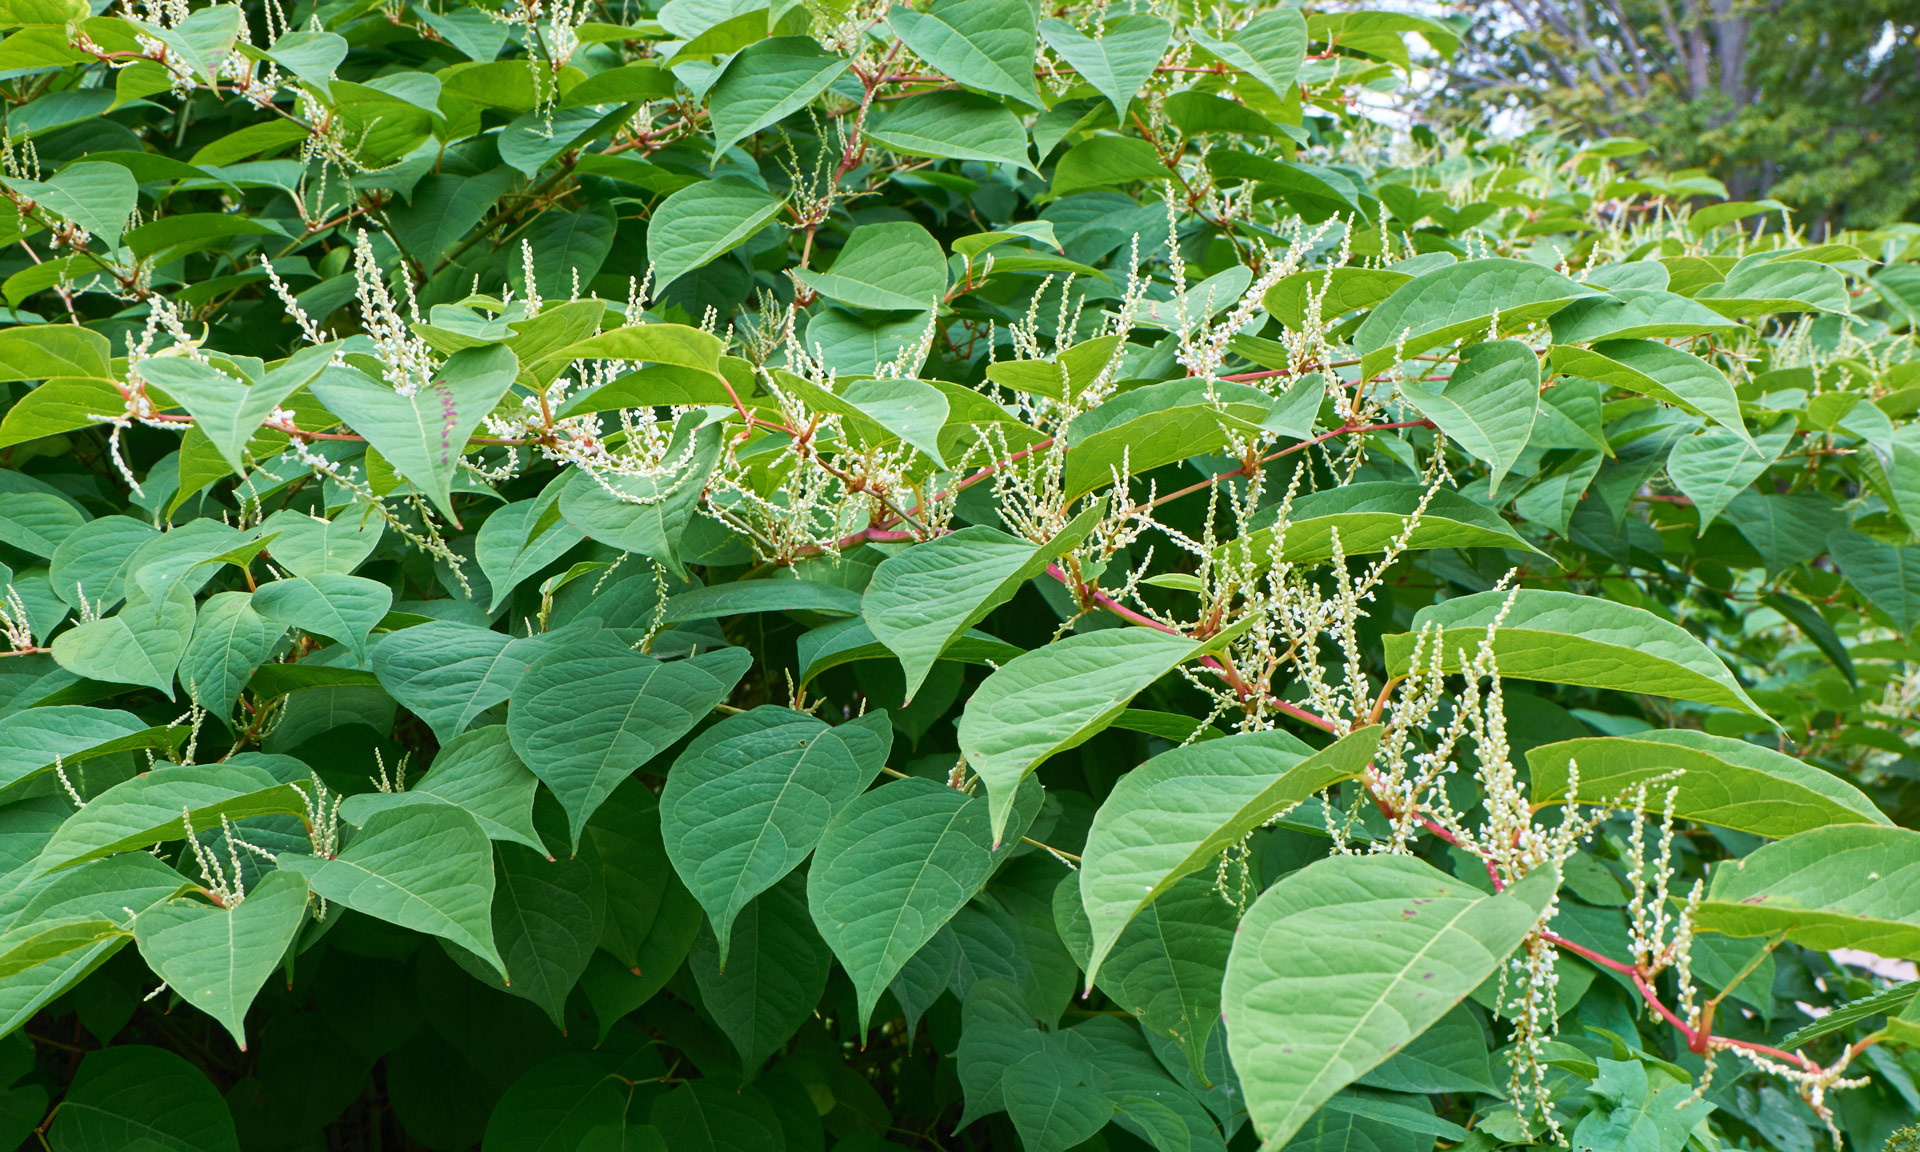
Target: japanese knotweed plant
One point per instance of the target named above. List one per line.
(930, 575)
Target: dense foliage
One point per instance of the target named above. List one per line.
(852, 576)
(1811, 103)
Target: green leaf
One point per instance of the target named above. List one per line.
(925, 598)
(640, 880)
(310, 546)
(984, 44)
(37, 352)
(36, 522)
(143, 643)
(476, 771)
(1443, 305)
(1151, 426)
(717, 1114)
(217, 958)
(341, 608)
(673, 344)
(547, 918)
(230, 640)
(1107, 160)
(1654, 369)
(775, 977)
(751, 796)
(897, 266)
(423, 435)
(765, 83)
(1635, 314)
(645, 514)
(555, 1106)
(31, 741)
(893, 867)
(1563, 638)
(426, 867)
(1888, 576)
(719, 600)
(703, 221)
(104, 889)
(1714, 466)
(1843, 886)
(1058, 697)
(1054, 1103)
(156, 806)
(1450, 1056)
(1270, 48)
(96, 196)
(1344, 962)
(1777, 285)
(1715, 780)
(228, 410)
(1635, 1117)
(43, 942)
(1167, 965)
(520, 539)
(1339, 290)
(955, 125)
(1368, 517)
(587, 714)
(1886, 1002)
(132, 1096)
(1487, 405)
(1121, 61)
(1173, 815)
(448, 674)
(881, 412)
(59, 404)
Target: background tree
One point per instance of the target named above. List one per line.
(1815, 104)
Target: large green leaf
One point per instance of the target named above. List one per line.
(132, 1096)
(1635, 314)
(1344, 962)
(1887, 575)
(703, 221)
(893, 867)
(477, 771)
(896, 266)
(427, 867)
(586, 714)
(958, 125)
(750, 797)
(519, 540)
(33, 740)
(424, 434)
(1270, 48)
(1118, 63)
(647, 514)
(762, 988)
(342, 608)
(143, 643)
(312, 546)
(1487, 405)
(230, 641)
(448, 674)
(1714, 466)
(1843, 886)
(227, 409)
(547, 920)
(984, 44)
(765, 83)
(96, 196)
(1443, 305)
(1175, 814)
(158, 805)
(1654, 369)
(1564, 638)
(1722, 781)
(217, 958)
(1371, 516)
(1057, 697)
(923, 599)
